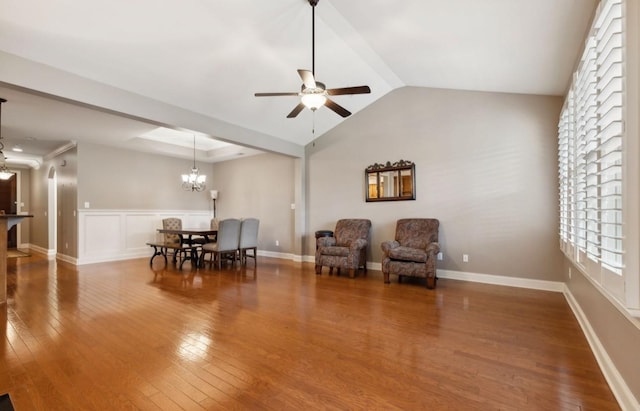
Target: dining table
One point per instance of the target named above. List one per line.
(187, 235)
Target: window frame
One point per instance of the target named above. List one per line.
(598, 204)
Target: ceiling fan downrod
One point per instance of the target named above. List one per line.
(313, 4)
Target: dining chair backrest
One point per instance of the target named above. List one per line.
(228, 234)
(214, 223)
(172, 224)
(249, 233)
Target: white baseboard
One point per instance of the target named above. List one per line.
(373, 266)
(619, 387)
(502, 280)
(67, 259)
(126, 255)
(479, 278)
(275, 254)
(44, 251)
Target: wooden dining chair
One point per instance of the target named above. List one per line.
(172, 223)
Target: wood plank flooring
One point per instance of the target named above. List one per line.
(124, 336)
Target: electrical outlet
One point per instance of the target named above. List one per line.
(465, 258)
(277, 243)
(440, 256)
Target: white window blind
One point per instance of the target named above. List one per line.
(590, 141)
(563, 177)
(610, 131)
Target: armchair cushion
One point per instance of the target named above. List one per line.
(408, 254)
(339, 251)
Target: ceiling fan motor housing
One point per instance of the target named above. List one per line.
(319, 88)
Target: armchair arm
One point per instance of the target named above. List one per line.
(326, 241)
(433, 248)
(388, 246)
(358, 244)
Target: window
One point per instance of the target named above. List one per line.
(590, 154)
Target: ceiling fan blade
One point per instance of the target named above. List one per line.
(307, 78)
(349, 90)
(275, 94)
(341, 111)
(296, 111)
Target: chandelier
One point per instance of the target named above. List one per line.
(5, 173)
(194, 181)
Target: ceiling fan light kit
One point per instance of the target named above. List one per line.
(314, 94)
(314, 100)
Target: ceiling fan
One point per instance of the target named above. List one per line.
(314, 94)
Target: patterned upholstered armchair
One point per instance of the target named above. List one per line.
(347, 249)
(414, 251)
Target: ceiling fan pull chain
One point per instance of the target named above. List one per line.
(313, 128)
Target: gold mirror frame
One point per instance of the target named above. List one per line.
(390, 182)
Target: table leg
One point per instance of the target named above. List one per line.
(162, 252)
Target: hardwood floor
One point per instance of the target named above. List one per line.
(121, 336)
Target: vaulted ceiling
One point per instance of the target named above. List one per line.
(206, 59)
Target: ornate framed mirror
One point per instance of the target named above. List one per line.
(390, 182)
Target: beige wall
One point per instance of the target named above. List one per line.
(39, 197)
(113, 178)
(65, 168)
(263, 187)
(485, 167)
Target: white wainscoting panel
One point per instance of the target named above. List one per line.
(141, 228)
(110, 235)
(102, 234)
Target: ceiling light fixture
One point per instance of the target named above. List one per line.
(194, 181)
(5, 173)
(315, 98)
